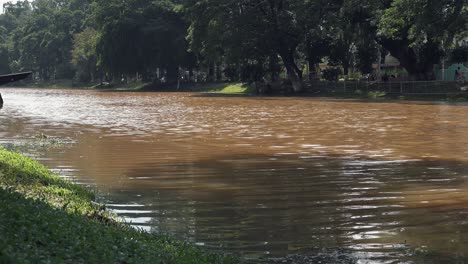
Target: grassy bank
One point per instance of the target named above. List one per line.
(219, 88)
(45, 219)
(237, 88)
(70, 84)
(226, 88)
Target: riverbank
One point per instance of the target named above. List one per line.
(45, 219)
(70, 84)
(215, 87)
(245, 89)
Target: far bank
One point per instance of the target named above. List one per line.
(391, 90)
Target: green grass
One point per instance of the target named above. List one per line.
(226, 88)
(45, 219)
(130, 86)
(214, 88)
(376, 95)
(218, 88)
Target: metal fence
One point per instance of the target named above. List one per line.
(391, 87)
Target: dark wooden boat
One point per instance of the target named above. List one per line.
(14, 77)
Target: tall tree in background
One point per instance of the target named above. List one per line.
(14, 14)
(255, 29)
(318, 22)
(4, 54)
(139, 37)
(354, 38)
(250, 39)
(228, 33)
(84, 56)
(40, 35)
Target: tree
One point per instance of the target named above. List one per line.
(136, 37)
(84, 56)
(4, 58)
(250, 39)
(414, 31)
(13, 14)
(225, 32)
(363, 49)
(252, 31)
(318, 22)
(40, 35)
(17, 9)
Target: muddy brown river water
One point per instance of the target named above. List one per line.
(287, 180)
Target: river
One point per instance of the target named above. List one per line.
(271, 179)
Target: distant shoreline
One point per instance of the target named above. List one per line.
(245, 89)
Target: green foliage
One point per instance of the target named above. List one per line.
(84, 56)
(40, 36)
(226, 88)
(140, 37)
(4, 57)
(230, 32)
(250, 35)
(45, 219)
(416, 32)
(376, 94)
(423, 20)
(247, 40)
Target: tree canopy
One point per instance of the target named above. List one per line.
(246, 40)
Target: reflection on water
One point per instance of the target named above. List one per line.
(279, 179)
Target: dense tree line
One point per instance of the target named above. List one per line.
(239, 39)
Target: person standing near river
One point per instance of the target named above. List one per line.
(1, 101)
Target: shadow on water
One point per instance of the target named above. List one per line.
(328, 209)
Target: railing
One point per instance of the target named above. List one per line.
(391, 87)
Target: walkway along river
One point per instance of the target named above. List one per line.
(272, 179)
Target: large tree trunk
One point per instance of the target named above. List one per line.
(219, 72)
(312, 74)
(294, 73)
(286, 43)
(296, 81)
(211, 72)
(44, 73)
(345, 65)
(272, 68)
